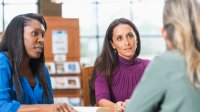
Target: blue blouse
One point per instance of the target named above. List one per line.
(8, 102)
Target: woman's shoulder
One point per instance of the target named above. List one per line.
(142, 62)
(4, 66)
(3, 58)
(2, 54)
(168, 60)
(170, 56)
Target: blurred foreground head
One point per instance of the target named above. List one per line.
(181, 21)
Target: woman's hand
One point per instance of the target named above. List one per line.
(126, 102)
(119, 106)
(59, 107)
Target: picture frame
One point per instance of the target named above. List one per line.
(53, 82)
(68, 68)
(61, 83)
(51, 67)
(61, 100)
(60, 68)
(72, 67)
(73, 82)
(74, 101)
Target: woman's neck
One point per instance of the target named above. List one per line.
(24, 68)
(25, 71)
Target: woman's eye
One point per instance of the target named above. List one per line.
(119, 38)
(35, 33)
(130, 35)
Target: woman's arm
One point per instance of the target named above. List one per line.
(6, 104)
(106, 103)
(60, 107)
(102, 93)
(115, 107)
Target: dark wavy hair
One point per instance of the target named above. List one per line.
(108, 59)
(13, 43)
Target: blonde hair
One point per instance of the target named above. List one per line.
(184, 17)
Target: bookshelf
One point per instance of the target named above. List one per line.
(64, 61)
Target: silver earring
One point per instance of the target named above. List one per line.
(115, 50)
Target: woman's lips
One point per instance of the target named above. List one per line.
(127, 49)
(39, 49)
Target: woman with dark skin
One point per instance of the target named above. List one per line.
(25, 84)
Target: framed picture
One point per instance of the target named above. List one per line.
(51, 67)
(68, 68)
(59, 42)
(53, 82)
(60, 68)
(74, 101)
(61, 83)
(61, 100)
(73, 82)
(72, 67)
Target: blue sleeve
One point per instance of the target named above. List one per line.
(50, 86)
(6, 102)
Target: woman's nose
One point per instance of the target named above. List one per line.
(126, 41)
(41, 39)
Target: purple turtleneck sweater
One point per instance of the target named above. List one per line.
(124, 80)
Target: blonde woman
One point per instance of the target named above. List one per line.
(171, 83)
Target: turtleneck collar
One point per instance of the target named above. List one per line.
(127, 61)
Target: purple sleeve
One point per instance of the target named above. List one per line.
(101, 88)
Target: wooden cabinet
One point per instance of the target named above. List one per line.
(1, 35)
(71, 26)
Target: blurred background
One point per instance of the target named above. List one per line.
(94, 17)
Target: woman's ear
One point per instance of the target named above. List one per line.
(167, 40)
(112, 44)
(164, 33)
(136, 42)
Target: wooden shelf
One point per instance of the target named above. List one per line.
(64, 75)
(71, 26)
(67, 92)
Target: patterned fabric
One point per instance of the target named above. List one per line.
(125, 78)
